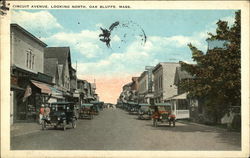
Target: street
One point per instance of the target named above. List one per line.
(115, 129)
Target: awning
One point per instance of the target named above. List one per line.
(86, 104)
(132, 103)
(95, 102)
(56, 93)
(149, 95)
(181, 96)
(44, 87)
(14, 87)
(162, 104)
(144, 104)
(90, 97)
(66, 94)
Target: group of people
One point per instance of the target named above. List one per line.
(44, 112)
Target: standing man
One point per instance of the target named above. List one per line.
(41, 113)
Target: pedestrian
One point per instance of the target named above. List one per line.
(41, 113)
(46, 111)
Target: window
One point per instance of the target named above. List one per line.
(160, 82)
(30, 59)
(27, 59)
(33, 59)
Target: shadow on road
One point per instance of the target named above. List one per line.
(221, 135)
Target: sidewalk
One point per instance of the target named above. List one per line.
(208, 126)
(18, 129)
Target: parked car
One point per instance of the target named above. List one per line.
(61, 114)
(133, 108)
(86, 111)
(163, 114)
(96, 107)
(145, 111)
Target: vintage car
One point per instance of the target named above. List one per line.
(97, 106)
(86, 111)
(133, 108)
(61, 114)
(162, 113)
(144, 111)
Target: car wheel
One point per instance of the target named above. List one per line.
(169, 123)
(43, 125)
(64, 125)
(156, 123)
(173, 123)
(73, 123)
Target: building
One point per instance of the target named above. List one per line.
(184, 107)
(53, 69)
(30, 87)
(164, 87)
(145, 89)
(134, 90)
(125, 94)
(64, 68)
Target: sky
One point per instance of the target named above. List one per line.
(167, 34)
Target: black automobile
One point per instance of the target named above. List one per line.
(133, 108)
(62, 114)
(145, 111)
(86, 111)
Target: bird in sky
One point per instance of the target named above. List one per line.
(107, 32)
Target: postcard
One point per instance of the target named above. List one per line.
(124, 79)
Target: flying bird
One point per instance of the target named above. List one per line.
(107, 32)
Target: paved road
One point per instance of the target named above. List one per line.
(115, 129)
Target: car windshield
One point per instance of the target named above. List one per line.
(161, 108)
(144, 108)
(164, 108)
(168, 108)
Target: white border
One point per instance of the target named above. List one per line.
(5, 82)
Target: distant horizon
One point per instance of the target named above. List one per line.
(167, 34)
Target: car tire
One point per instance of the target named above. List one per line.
(73, 123)
(43, 125)
(173, 123)
(156, 123)
(64, 125)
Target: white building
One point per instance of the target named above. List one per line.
(146, 89)
(164, 74)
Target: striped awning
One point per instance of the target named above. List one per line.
(44, 87)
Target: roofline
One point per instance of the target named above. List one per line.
(161, 63)
(82, 80)
(59, 47)
(28, 34)
(142, 75)
(156, 67)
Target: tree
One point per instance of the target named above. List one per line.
(217, 74)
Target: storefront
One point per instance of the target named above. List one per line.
(27, 101)
(180, 106)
